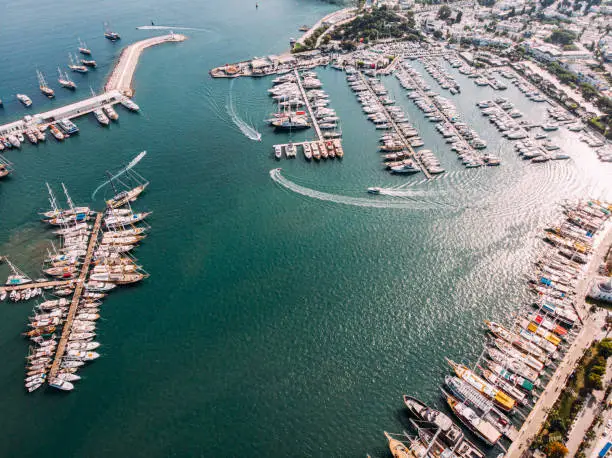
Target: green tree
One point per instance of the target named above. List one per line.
(562, 37)
(599, 370)
(605, 346)
(444, 12)
(594, 381)
(348, 45)
(437, 34)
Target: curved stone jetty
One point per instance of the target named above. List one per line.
(122, 75)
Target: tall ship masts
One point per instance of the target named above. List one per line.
(110, 35)
(75, 67)
(44, 87)
(64, 80)
(83, 49)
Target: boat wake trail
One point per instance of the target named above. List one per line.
(248, 130)
(132, 164)
(168, 27)
(406, 203)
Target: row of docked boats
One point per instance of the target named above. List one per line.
(294, 99)
(442, 77)
(79, 274)
(488, 78)
(530, 150)
(291, 107)
(437, 435)
(464, 140)
(500, 113)
(530, 91)
(400, 138)
(62, 128)
(517, 360)
(327, 149)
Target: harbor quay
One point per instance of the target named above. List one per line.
(122, 75)
(591, 325)
(118, 88)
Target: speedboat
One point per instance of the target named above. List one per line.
(374, 190)
(60, 384)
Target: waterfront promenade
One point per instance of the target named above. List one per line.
(585, 338)
(332, 18)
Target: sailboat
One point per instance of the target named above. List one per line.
(129, 195)
(64, 80)
(70, 216)
(109, 35)
(398, 449)
(75, 67)
(89, 63)
(44, 87)
(17, 277)
(5, 167)
(83, 49)
(468, 417)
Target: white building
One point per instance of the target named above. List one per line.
(601, 289)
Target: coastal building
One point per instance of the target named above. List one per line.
(601, 289)
(586, 75)
(260, 65)
(548, 52)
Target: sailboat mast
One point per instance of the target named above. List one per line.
(52, 199)
(68, 199)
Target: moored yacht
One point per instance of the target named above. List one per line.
(27, 101)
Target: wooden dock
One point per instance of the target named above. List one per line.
(61, 347)
(397, 129)
(42, 284)
(315, 123)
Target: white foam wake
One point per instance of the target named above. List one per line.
(373, 202)
(131, 164)
(249, 131)
(167, 27)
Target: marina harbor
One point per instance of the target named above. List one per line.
(118, 90)
(376, 229)
(91, 260)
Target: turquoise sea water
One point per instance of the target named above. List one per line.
(274, 323)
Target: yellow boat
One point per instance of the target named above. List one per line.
(553, 339)
(398, 449)
(501, 399)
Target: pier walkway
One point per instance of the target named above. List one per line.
(592, 324)
(61, 347)
(315, 123)
(42, 284)
(119, 84)
(397, 129)
(122, 75)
